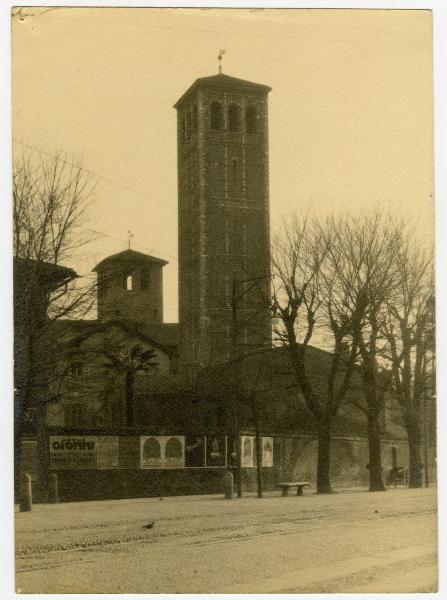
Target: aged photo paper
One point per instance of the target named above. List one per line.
(224, 301)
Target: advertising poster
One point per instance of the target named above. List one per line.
(247, 451)
(129, 452)
(231, 451)
(72, 452)
(195, 451)
(267, 452)
(107, 452)
(162, 451)
(174, 455)
(150, 456)
(215, 451)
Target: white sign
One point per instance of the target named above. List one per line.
(267, 452)
(162, 451)
(107, 452)
(247, 451)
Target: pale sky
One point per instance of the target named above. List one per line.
(350, 113)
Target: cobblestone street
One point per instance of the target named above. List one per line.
(353, 541)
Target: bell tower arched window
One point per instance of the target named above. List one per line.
(183, 129)
(188, 125)
(234, 117)
(251, 117)
(216, 116)
(195, 117)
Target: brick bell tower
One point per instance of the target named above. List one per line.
(224, 229)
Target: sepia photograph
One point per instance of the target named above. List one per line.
(223, 262)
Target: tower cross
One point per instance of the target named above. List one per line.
(129, 236)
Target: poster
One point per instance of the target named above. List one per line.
(215, 451)
(195, 451)
(162, 451)
(129, 452)
(174, 455)
(231, 451)
(107, 452)
(247, 451)
(73, 452)
(267, 452)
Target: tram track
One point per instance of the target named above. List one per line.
(109, 548)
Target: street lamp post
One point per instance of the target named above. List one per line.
(236, 386)
(235, 298)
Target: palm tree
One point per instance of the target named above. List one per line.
(128, 362)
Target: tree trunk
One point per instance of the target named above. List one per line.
(18, 429)
(129, 398)
(324, 456)
(258, 448)
(43, 464)
(22, 393)
(258, 464)
(375, 459)
(414, 446)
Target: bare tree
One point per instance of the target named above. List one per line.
(50, 198)
(408, 327)
(309, 292)
(335, 279)
(363, 254)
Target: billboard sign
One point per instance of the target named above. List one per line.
(247, 451)
(162, 451)
(215, 451)
(107, 452)
(195, 451)
(73, 452)
(267, 452)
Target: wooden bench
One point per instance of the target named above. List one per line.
(300, 485)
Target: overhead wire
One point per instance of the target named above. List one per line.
(94, 174)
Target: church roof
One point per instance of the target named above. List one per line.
(220, 81)
(268, 373)
(50, 274)
(160, 335)
(128, 256)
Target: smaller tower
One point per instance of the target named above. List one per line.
(130, 287)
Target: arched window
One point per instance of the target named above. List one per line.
(234, 169)
(234, 117)
(216, 115)
(129, 283)
(183, 130)
(195, 117)
(74, 415)
(188, 125)
(251, 117)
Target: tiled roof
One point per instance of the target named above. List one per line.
(221, 80)
(127, 256)
(162, 335)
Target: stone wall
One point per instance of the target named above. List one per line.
(294, 459)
